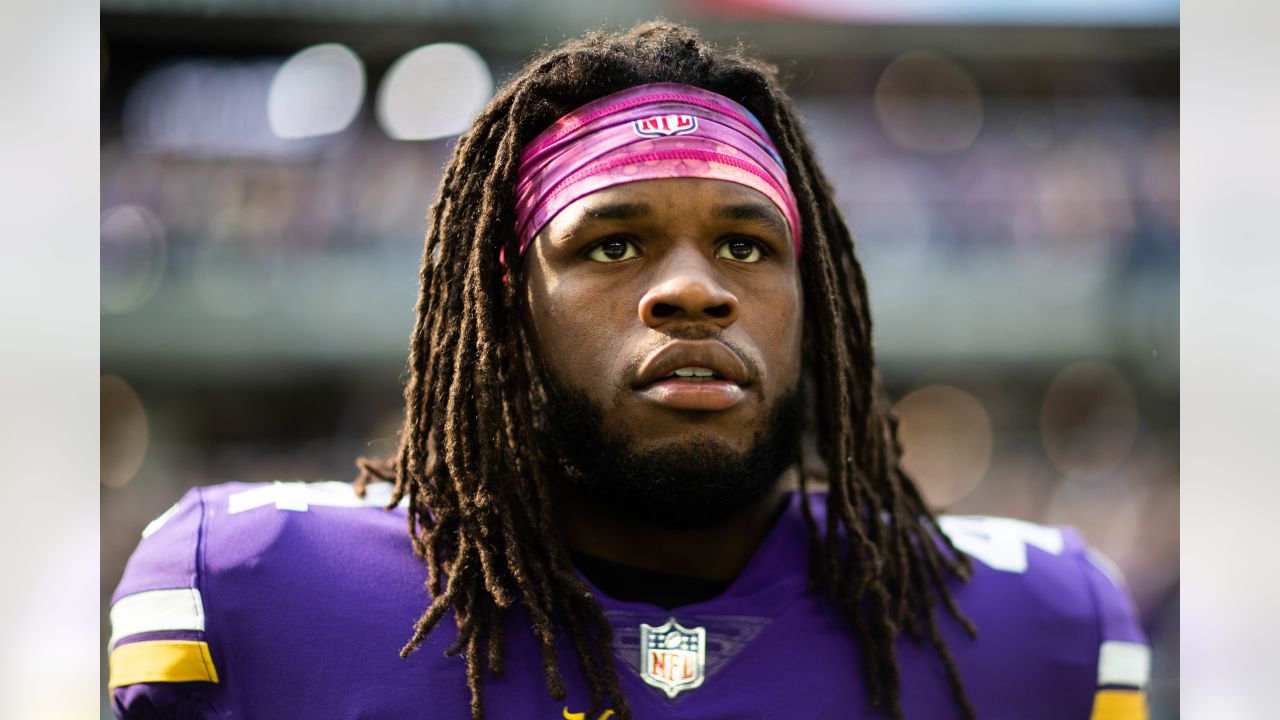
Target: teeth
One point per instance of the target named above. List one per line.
(698, 372)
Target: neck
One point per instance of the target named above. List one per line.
(708, 553)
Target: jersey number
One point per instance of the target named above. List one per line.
(1000, 543)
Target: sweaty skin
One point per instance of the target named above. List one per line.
(638, 280)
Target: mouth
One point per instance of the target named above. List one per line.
(694, 374)
(698, 375)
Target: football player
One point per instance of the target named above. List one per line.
(636, 296)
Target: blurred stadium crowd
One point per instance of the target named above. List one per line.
(1013, 187)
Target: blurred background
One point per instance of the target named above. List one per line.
(1010, 172)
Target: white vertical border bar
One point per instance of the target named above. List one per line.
(1230, 358)
(49, 142)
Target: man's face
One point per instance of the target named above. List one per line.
(674, 308)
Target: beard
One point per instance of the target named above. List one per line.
(696, 483)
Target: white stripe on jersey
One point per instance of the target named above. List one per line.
(159, 522)
(157, 610)
(1124, 663)
(299, 496)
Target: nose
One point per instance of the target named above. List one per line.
(688, 291)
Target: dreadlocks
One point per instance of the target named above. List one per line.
(478, 488)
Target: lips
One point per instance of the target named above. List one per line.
(658, 381)
(710, 354)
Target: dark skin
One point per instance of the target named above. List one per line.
(675, 306)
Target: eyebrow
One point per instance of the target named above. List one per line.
(762, 213)
(755, 212)
(619, 211)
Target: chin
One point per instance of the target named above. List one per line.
(697, 445)
(671, 474)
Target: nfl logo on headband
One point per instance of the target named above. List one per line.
(660, 125)
(673, 658)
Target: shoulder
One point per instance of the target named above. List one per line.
(227, 559)
(212, 528)
(1046, 574)
(1049, 563)
(1057, 634)
(1046, 600)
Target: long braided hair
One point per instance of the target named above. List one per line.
(478, 488)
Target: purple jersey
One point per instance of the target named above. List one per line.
(292, 600)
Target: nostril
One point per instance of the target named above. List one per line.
(719, 311)
(664, 310)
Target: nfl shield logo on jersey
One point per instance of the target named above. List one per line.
(658, 125)
(673, 658)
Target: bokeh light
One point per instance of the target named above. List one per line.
(316, 92)
(947, 440)
(1088, 419)
(433, 92)
(928, 103)
(1109, 513)
(205, 108)
(133, 257)
(124, 430)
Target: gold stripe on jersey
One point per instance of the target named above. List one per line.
(1119, 705)
(161, 661)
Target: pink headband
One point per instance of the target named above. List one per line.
(648, 132)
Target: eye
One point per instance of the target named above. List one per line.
(613, 250)
(741, 250)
